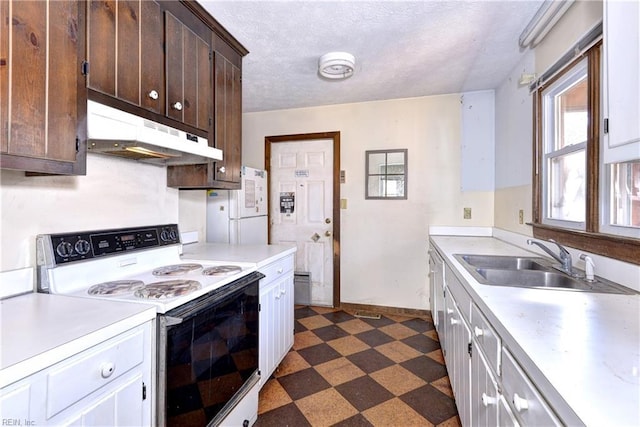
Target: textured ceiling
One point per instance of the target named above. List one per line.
(402, 48)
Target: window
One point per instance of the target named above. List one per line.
(386, 174)
(578, 201)
(564, 130)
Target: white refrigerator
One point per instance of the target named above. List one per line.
(239, 217)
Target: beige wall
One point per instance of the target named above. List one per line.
(114, 193)
(384, 243)
(575, 23)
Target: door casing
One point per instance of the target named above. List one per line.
(335, 136)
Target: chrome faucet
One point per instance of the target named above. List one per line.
(563, 257)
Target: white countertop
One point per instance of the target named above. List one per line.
(39, 330)
(582, 350)
(261, 255)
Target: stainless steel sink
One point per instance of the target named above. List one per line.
(531, 272)
(505, 262)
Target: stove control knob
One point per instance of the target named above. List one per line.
(64, 249)
(82, 247)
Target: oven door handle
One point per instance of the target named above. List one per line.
(171, 320)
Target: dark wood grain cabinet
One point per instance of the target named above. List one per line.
(125, 51)
(42, 95)
(153, 55)
(226, 129)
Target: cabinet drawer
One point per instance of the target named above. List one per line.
(527, 404)
(463, 300)
(92, 369)
(276, 269)
(486, 337)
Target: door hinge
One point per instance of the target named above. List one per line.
(606, 125)
(210, 54)
(77, 145)
(84, 68)
(259, 307)
(144, 391)
(470, 349)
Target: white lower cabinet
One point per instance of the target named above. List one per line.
(528, 405)
(484, 391)
(108, 384)
(276, 315)
(457, 358)
(489, 386)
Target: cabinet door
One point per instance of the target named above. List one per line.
(484, 391)
(40, 47)
(188, 74)
(622, 80)
(101, 45)
(152, 88)
(228, 118)
(267, 331)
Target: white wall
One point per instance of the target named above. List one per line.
(384, 243)
(513, 149)
(114, 193)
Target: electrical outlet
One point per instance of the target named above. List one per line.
(521, 216)
(467, 213)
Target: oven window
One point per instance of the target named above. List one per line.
(210, 355)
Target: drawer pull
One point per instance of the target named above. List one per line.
(520, 403)
(454, 321)
(280, 270)
(449, 311)
(177, 106)
(478, 332)
(488, 400)
(107, 369)
(153, 94)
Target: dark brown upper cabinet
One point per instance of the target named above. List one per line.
(226, 129)
(42, 95)
(152, 55)
(228, 119)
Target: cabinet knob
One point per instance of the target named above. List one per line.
(488, 400)
(520, 403)
(153, 94)
(177, 106)
(454, 321)
(449, 311)
(478, 332)
(280, 270)
(107, 369)
(222, 169)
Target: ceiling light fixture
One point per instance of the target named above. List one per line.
(336, 65)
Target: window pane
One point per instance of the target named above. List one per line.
(394, 186)
(625, 194)
(571, 115)
(377, 163)
(566, 197)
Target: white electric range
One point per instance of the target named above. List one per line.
(208, 312)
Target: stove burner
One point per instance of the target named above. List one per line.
(221, 270)
(176, 269)
(167, 289)
(116, 287)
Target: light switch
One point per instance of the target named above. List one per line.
(343, 203)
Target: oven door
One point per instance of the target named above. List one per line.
(208, 354)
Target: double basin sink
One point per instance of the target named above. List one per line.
(532, 272)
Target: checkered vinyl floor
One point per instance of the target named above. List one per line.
(350, 371)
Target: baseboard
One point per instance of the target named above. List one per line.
(413, 312)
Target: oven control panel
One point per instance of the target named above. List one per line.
(70, 247)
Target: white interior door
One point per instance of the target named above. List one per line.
(301, 209)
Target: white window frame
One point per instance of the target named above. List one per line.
(570, 78)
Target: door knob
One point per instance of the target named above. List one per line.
(327, 233)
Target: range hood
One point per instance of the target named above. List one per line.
(118, 133)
